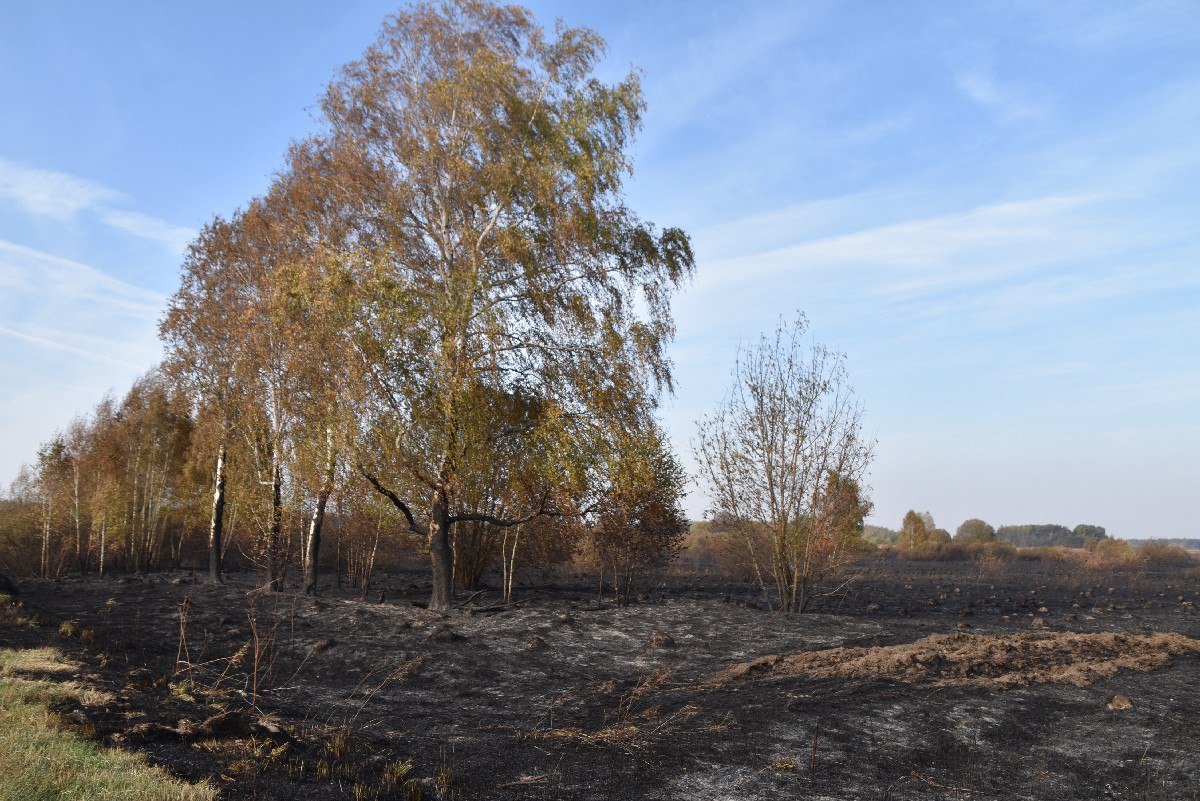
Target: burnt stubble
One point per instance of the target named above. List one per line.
(277, 696)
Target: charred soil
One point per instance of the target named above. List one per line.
(925, 680)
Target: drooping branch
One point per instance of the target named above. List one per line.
(544, 510)
(478, 517)
(413, 525)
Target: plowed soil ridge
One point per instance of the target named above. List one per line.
(1078, 659)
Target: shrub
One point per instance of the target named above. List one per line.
(956, 551)
(891, 551)
(1047, 553)
(1111, 555)
(925, 552)
(996, 550)
(1164, 556)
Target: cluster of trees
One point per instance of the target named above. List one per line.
(129, 487)
(880, 535)
(442, 298)
(975, 530)
(917, 530)
(115, 488)
(1090, 545)
(442, 319)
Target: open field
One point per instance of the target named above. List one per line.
(960, 686)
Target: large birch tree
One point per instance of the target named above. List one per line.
(500, 294)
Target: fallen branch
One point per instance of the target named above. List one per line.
(932, 783)
(465, 603)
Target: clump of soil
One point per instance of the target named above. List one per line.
(1120, 702)
(1077, 659)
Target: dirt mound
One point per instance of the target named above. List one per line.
(977, 659)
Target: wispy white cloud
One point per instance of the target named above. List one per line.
(68, 332)
(176, 237)
(52, 194)
(1008, 102)
(93, 350)
(1021, 285)
(706, 68)
(39, 280)
(1113, 26)
(1024, 373)
(878, 129)
(63, 197)
(919, 252)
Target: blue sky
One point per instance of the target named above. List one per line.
(991, 208)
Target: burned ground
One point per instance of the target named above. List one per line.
(561, 697)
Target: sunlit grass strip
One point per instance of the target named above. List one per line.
(41, 760)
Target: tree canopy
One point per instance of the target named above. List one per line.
(445, 279)
(975, 530)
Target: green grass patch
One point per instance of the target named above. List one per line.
(40, 761)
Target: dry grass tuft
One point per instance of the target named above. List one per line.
(41, 661)
(33, 660)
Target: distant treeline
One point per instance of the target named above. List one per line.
(1038, 535)
(880, 535)
(1181, 542)
(1033, 535)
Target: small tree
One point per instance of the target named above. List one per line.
(152, 439)
(836, 534)
(641, 523)
(880, 535)
(237, 347)
(779, 458)
(975, 530)
(54, 472)
(916, 530)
